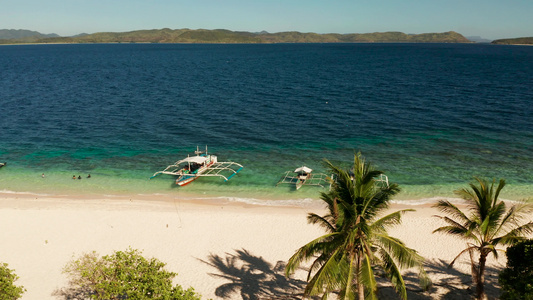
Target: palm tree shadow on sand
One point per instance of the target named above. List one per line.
(253, 277)
(450, 283)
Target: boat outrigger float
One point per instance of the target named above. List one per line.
(304, 176)
(202, 164)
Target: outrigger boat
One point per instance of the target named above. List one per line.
(304, 176)
(202, 164)
(383, 181)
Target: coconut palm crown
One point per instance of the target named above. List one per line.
(487, 225)
(356, 243)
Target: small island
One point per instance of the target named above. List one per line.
(515, 41)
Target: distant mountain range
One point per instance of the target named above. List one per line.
(478, 39)
(226, 36)
(9, 34)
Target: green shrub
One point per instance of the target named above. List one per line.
(8, 289)
(517, 278)
(122, 275)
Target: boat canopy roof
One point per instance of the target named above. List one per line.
(303, 169)
(194, 159)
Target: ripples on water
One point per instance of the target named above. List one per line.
(431, 115)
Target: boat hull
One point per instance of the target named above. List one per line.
(183, 180)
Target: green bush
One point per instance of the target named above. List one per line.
(517, 278)
(122, 275)
(8, 289)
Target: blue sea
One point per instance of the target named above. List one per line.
(431, 116)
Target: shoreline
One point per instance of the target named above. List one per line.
(246, 199)
(41, 234)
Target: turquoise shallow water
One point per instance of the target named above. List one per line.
(257, 181)
(430, 115)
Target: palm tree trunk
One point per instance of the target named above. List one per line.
(473, 268)
(480, 282)
(360, 286)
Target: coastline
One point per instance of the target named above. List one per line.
(41, 234)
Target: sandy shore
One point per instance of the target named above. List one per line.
(40, 235)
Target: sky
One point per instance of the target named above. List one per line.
(490, 19)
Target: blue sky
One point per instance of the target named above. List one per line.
(490, 19)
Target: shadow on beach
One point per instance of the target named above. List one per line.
(448, 284)
(252, 277)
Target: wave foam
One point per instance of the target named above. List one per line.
(23, 193)
(306, 202)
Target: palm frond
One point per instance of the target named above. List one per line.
(499, 189)
(327, 277)
(497, 212)
(449, 208)
(307, 252)
(393, 273)
(379, 199)
(370, 176)
(468, 249)
(403, 255)
(367, 278)
(454, 228)
(516, 235)
(391, 219)
(324, 222)
(514, 215)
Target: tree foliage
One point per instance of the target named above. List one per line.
(122, 275)
(8, 289)
(356, 243)
(487, 225)
(517, 278)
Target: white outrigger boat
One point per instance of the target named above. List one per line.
(304, 176)
(202, 164)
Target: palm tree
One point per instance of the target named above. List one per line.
(356, 240)
(487, 224)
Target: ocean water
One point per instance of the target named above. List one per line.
(431, 116)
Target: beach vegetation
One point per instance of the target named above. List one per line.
(8, 289)
(356, 246)
(122, 275)
(485, 224)
(517, 278)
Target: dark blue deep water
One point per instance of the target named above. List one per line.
(430, 115)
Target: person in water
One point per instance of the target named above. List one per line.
(73, 176)
(79, 177)
(89, 176)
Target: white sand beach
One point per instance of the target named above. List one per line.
(39, 235)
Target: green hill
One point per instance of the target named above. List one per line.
(516, 41)
(167, 35)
